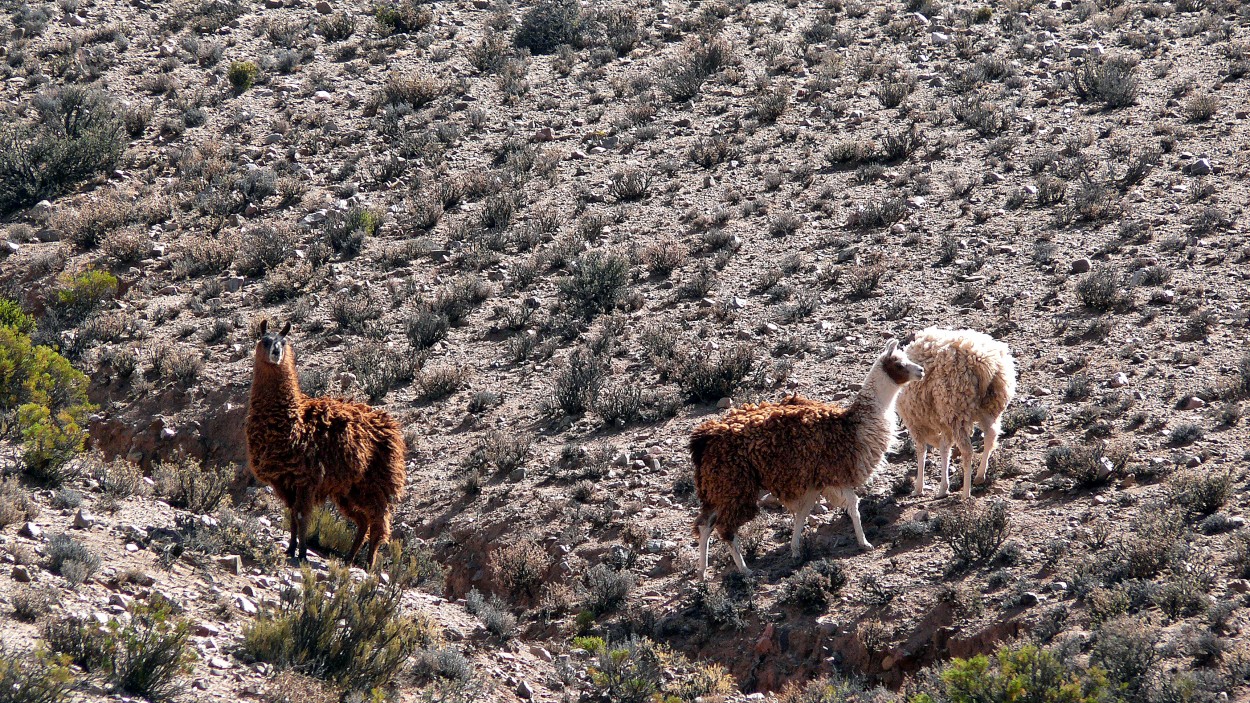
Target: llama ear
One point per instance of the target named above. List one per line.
(264, 326)
(890, 346)
(286, 329)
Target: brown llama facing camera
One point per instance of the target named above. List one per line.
(315, 449)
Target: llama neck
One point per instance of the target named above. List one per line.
(878, 393)
(276, 386)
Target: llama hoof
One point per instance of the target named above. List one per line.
(942, 493)
(866, 546)
(918, 491)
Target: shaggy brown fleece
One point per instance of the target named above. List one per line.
(788, 449)
(313, 449)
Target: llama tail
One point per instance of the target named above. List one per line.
(699, 441)
(391, 452)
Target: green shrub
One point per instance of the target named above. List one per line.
(242, 75)
(37, 678)
(77, 134)
(706, 376)
(404, 16)
(351, 633)
(187, 483)
(606, 588)
(76, 297)
(149, 656)
(638, 670)
(548, 24)
(328, 530)
(576, 384)
(1201, 491)
(596, 282)
(492, 613)
(1024, 675)
(1111, 80)
(975, 531)
(811, 587)
(48, 399)
(71, 559)
(12, 316)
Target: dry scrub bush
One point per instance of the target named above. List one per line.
(521, 568)
(974, 531)
(186, 483)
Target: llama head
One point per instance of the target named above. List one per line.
(272, 347)
(897, 366)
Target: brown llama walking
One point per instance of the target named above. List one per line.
(798, 450)
(315, 449)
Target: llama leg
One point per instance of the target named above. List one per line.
(944, 470)
(850, 499)
(737, 555)
(362, 530)
(379, 532)
(991, 438)
(922, 452)
(294, 545)
(804, 508)
(965, 458)
(705, 534)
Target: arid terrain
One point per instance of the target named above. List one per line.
(552, 238)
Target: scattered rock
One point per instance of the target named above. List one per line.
(323, 7)
(524, 691)
(1119, 380)
(1200, 167)
(84, 520)
(1194, 402)
(21, 574)
(231, 564)
(725, 403)
(1080, 266)
(31, 530)
(940, 38)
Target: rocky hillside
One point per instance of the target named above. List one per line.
(551, 238)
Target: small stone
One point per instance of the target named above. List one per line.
(725, 403)
(235, 283)
(231, 564)
(31, 530)
(1239, 585)
(517, 475)
(246, 605)
(1194, 402)
(546, 134)
(1194, 462)
(524, 691)
(1080, 266)
(323, 96)
(1105, 468)
(541, 653)
(83, 520)
(21, 574)
(206, 629)
(1119, 380)
(1201, 167)
(219, 663)
(1030, 599)
(940, 39)
(323, 7)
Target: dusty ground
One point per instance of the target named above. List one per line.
(752, 195)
